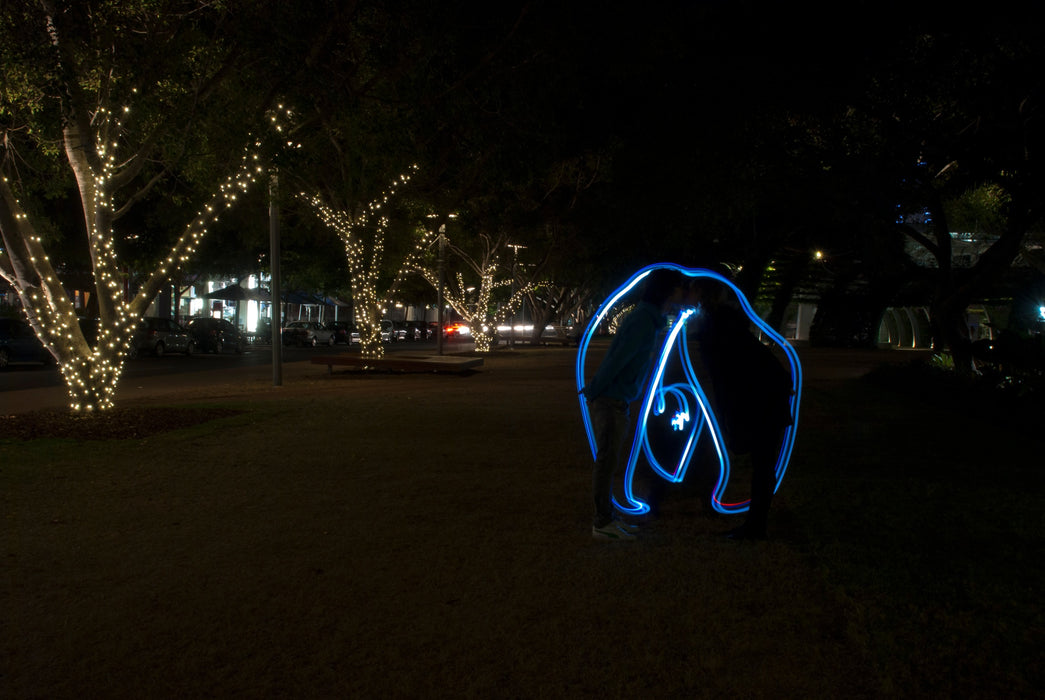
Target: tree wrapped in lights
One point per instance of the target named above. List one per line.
(471, 301)
(80, 85)
(91, 373)
(364, 239)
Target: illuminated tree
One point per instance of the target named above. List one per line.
(560, 283)
(128, 86)
(364, 239)
(471, 297)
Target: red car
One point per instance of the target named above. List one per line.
(456, 330)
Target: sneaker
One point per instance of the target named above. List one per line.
(612, 531)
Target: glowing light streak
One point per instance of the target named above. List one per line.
(684, 397)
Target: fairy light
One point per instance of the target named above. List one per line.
(364, 271)
(91, 374)
(688, 398)
(471, 302)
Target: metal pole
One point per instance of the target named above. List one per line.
(515, 263)
(442, 249)
(511, 299)
(276, 305)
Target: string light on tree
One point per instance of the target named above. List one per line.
(91, 373)
(472, 303)
(364, 262)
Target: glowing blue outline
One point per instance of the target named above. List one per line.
(656, 397)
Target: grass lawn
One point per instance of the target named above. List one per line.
(429, 536)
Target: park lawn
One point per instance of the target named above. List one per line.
(424, 535)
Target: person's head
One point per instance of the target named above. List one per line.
(707, 292)
(663, 287)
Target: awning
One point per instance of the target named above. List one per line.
(234, 292)
(299, 298)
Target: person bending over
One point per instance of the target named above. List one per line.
(618, 381)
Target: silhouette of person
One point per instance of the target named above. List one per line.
(751, 392)
(619, 380)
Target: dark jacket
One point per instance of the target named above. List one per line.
(623, 371)
(751, 388)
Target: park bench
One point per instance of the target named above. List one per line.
(402, 362)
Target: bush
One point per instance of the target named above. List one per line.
(1013, 398)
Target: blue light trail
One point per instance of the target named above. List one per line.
(684, 405)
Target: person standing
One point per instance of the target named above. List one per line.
(617, 382)
(751, 392)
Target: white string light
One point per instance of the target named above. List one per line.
(91, 374)
(363, 273)
(470, 302)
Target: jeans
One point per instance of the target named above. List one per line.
(609, 422)
(764, 452)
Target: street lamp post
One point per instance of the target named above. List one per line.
(275, 307)
(515, 261)
(442, 251)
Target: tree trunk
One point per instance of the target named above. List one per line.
(541, 316)
(793, 273)
(92, 381)
(950, 329)
(956, 289)
(365, 303)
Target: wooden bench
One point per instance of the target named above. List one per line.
(403, 362)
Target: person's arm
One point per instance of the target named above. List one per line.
(627, 344)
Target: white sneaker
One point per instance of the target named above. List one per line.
(612, 531)
(627, 527)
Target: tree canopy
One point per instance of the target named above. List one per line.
(743, 133)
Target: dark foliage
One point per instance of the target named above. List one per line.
(1000, 399)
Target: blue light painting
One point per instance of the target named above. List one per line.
(682, 407)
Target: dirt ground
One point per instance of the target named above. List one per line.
(397, 535)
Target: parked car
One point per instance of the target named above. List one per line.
(19, 343)
(342, 331)
(416, 330)
(386, 332)
(263, 334)
(157, 336)
(307, 333)
(399, 331)
(216, 335)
